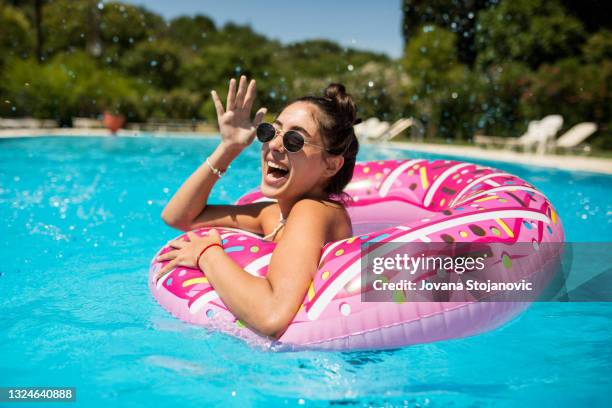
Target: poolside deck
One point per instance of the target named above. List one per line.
(562, 162)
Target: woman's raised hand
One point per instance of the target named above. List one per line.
(235, 124)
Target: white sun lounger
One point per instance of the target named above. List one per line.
(571, 139)
(538, 135)
(525, 138)
(400, 126)
(371, 129)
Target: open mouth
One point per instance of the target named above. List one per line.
(276, 173)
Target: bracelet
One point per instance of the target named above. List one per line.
(204, 250)
(215, 170)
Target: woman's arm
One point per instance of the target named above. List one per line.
(191, 198)
(267, 305)
(237, 132)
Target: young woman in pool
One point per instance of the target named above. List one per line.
(307, 157)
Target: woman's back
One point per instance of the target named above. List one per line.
(339, 229)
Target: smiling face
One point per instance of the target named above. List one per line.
(291, 176)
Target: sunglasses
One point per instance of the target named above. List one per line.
(293, 141)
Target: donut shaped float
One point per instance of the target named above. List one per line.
(416, 201)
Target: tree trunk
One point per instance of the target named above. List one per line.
(94, 42)
(38, 24)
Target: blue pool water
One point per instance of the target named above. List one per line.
(81, 221)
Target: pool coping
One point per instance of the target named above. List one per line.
(561, 162)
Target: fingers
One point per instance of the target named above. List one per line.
(242, 88)
(259, 116)
(179, 243)
(218, 104)
(167, 256)
(250, 96)
(231, 95)
(166, 269)
(192, 236)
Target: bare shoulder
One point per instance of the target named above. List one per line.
(331, 216)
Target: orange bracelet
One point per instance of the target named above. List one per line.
(204, 250)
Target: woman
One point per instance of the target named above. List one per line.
(305, 170)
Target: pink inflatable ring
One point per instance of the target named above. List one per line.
(393, 201)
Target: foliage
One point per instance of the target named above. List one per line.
(529, 31)
(191, 32)
(68, 85)
(456, 16)
(15, 33)
(111, 28)
(478, 66)
(431, 62)
(65, 25)
(586, 88)
(598, 48)
(156, 62)
(532, 58)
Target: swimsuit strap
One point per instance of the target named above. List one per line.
(281, 224)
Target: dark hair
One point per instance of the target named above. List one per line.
(338, 114)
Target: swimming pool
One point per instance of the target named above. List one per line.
(81, 221)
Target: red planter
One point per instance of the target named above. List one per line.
(113, 122)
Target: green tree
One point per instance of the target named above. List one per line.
(114, 27)
(431, 62)
(529, 31)
(456, 16)
(157, 63)
(65, 25)
(67, 86)
(598, 47)
(580, 92)
(122, 26)
(15, 34)
(191, 32)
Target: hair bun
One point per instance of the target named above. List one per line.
(346, 106)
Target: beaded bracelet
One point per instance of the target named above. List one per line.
(215, 170)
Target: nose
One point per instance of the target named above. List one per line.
(277, 142)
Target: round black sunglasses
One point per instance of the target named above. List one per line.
(293, 141)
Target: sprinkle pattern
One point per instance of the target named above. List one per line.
(456, 202)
